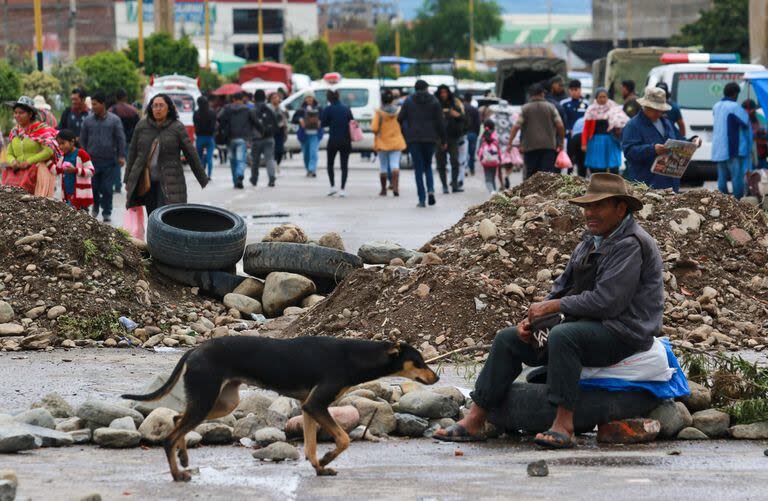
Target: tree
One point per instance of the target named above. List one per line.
(385, 38)
(306, 65)
(108, 71)
(39, 83)
(209, 80)
(355, 60)
(18, 59)
(163, 55)
(10, 82)
(70, 77)
(293, 50)
(723, 28)
(321, 55)
(313, 59)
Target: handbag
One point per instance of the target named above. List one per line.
(145, 180)
(355, 132)
(134, 222)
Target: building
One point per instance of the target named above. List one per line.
(93, 22)
(234, 24)
(353, 20)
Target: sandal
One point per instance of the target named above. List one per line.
(457, 433)
(561, 440)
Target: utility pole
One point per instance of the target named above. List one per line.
(472, 35)
(615, 19)
(71, 24)
(140, 19)
(629, 24)
(261, 34)
(38, 33)
(397, 48)
(207, 36)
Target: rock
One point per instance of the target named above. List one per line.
(383, 252)
(82, 436)
(215, 433)
(672, 416)
(56, 312)
(38, 341)
(738, 237)
(538, 469)
(10, 329)
(409, 386)
(247, 426)
(244, 304)
(515, 289)
(628, 431)
(712, 422)
(46, 436)
(250, 287)
(754, 431)
(102, 413)
(544, 275)
(397, 262)
(422, 290)
(193, 439)
(285, 289)
(685, 220)
(487, 229)
(430, 258)
(345, 416)
(480, 305)
(56, 405)
(691, 433)
(70, 424)
(157, 425)
(332, 240)
(379, 389)
(175, 399)
(310, 301)
(36, 417)
(409, 425)
(384, 421)
(68, 343)
(35, 312)
(6, 312)
(112, 438)
(293, 310)
(153, 340)
(14, 439)
(286, 233)
(427, 404)
(360, 433)
(452, 392)
(281, 410)
(123, 423)
(7, 490)
(254, 403)
(278, 451)
(269, 435)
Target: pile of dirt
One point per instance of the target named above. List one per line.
(67, 276)
(715, 252)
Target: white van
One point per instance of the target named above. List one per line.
(362, 95)
(182, 90)
(696, 87)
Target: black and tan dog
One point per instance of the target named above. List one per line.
(314, 370)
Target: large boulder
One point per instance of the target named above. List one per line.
(346, 416)
(383, 252)
(712, 422)
(36, 417)
(699, 399)
(286, 233)
(250, 287)
(157, 425)
(672, 416)
(16, 439)
(244, 304)
(215, 433)
(112, 438)
(427, 404)
(282, 290)
(47, 436)
(754, 431)
(382, 423)
(102, 413)
(409, 425)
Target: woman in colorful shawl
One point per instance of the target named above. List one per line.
(33, 152)
(601, 138)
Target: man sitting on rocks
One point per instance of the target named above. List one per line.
(612, 297)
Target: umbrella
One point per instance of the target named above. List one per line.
(228, 89)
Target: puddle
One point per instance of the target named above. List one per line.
(269, 216)
(617, 461)
(282, 485)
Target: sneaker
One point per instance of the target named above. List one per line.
(420, 205)
(431, 199)
(458, 190)
(107, 218)
(95, 212)
(271, 183)
(445, 190)
(314, 174)
(343, 194)
(332, 192)
(239, 185)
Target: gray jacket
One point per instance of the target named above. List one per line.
(629, 291)
(103, 138)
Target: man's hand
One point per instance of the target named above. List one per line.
(660, 149)
(455, 114)
(121, 161)
(524, 331)
(542, 309)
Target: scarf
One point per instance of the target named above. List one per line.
(609, 111)
(42, 134)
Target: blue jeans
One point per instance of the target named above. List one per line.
(734, 169)
(389, 161)
(421, 154)
(309, 150)
(237, 152)
(103, 185)
(472, 148)
(207, 144)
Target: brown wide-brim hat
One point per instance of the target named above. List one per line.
(604, 185)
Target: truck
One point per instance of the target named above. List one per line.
(515, 76)
(268, 72)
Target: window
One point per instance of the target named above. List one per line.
(701, 90)
(185, 103)
(250, 51)
(246, 21)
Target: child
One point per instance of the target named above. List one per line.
(489, 155)
(76, 170)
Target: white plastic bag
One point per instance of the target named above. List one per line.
(651, 365)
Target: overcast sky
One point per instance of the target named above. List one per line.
(409, 7)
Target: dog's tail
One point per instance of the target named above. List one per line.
(160, 392)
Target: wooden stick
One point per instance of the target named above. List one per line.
(460, 350)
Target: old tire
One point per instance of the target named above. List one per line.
(527, 408)
(195, 237)
(214, 283)
(325, 266)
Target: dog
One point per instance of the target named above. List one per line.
(313, 370)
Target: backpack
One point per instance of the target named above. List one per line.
(311, 119)
(489, 154)
(267, 119)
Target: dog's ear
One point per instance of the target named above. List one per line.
(395, 349)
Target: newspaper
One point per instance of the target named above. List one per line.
(674, 163)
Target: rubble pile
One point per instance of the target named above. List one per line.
(715, 252)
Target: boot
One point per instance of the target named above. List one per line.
(396, 182)
(383, 179)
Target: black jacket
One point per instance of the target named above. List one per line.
(421, 119)
(205, 122)
(237, 121)
(455, 127)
